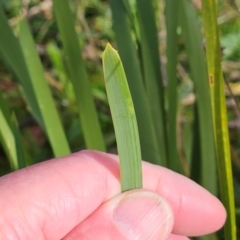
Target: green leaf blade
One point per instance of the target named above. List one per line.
(42, 94)
(128, 53)
(7, 136)
(218, 103)
(198, 67)
(171, 12)
(14, 59)
(124, 118)
(10, 138)
(87, 112)
(152, 73)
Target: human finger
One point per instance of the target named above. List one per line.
(177, 237)
(136, 214)
(51, 198)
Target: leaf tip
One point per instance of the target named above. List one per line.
(109, 49)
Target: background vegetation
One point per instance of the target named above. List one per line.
(171, 97)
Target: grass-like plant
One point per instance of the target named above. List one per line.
(124, 120)
(218, 103)
(144, 93)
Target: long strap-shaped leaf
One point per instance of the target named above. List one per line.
(127, 51)
(51, 120)
(23, 61)
(10, 138)
(198, 67)
(124, 119)
(6, 135)
(12, 55)
(152, 72)
(87, 112)
(172, 9)
(219, 113)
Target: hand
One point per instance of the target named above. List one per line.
(78, 197)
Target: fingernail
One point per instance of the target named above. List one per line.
(144, 215)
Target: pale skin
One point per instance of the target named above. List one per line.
(79, 197)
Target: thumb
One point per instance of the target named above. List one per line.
(136, 214)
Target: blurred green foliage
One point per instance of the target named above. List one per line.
(94, 31)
